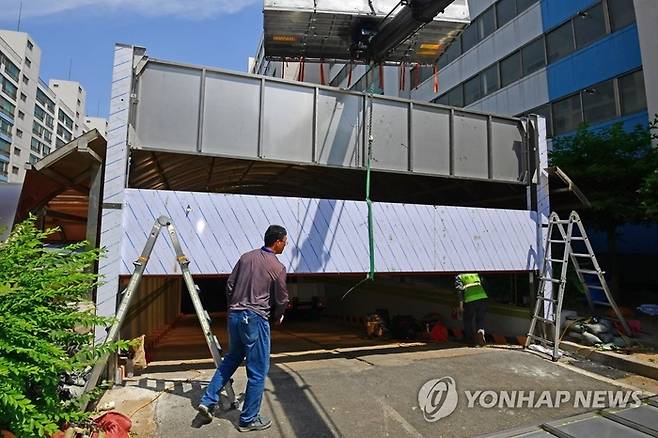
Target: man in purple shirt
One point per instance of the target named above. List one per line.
(256, 286)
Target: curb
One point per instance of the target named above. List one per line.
(620, 361)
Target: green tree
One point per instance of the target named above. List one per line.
(41, 338)
(612, 167)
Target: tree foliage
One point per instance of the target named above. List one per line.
(41, 336)
(615, 169)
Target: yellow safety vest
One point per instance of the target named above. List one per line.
(473, 289)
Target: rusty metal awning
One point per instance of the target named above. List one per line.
(565, 195)
(57, 188)
(326, 30)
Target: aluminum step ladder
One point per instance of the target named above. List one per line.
(193, 289)
(562, 236)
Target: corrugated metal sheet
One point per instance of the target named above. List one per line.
(327, 236)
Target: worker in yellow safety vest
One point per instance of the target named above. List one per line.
(472, 306)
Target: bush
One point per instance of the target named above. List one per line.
(41, 291)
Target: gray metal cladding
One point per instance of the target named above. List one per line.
(327, 236)
(192, 109)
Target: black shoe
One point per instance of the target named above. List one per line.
(205, 411)
(259, 423)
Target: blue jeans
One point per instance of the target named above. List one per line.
(249, 336)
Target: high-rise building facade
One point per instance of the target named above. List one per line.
(572, 61)
(35, 118)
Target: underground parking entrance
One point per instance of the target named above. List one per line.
(394, 312)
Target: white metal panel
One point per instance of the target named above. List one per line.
(479, 6)
(328, 236)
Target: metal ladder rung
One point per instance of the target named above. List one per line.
(589, 271)
(557, 260)
(579, 238)
(557, 241)
(552, 280)
(595, 287)
(602, 303)
(540, 338)
(582, 255)
(542, 319)
(561, 221)
(547, 299)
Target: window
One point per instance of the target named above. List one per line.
(45, 101)
(50, 121)
(26, 80)
(30, 46)
(567, 115)
(47, 135)
(14, 170)
(487, 23)
(632, 93)
(456, 97)
(559, 42)
(45, 149)
(39, 113)
(490, 80)
(510, 69)
(33, 159)
(505, 11)
(19, 133)
(35, 145)
(589, 26)
(599, 102)
(17, 152)
(5, 147)
(3, 167)
(470, 36)
(11, 69)
(7, 107)
(5, 127)
(28, 63)
(621, 13)
(21, 115)
(522, 5)
(9, 88)
(23, 97)
(472, 90)
(533, 57)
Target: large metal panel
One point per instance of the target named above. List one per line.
(288, 122)
(390, 129)
(328, 236)
(430, 129)
(263, 118)
(471, 154)
(168, 114)
(231, 116)
(507, 152)
(340, 128)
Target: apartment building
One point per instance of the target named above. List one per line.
(35, 117)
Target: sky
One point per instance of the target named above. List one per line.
(81, 34)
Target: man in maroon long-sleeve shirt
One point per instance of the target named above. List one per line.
(256, 286)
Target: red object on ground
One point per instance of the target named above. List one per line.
(439, 333)
(633, 324)
(114, 424)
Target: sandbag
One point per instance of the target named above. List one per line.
(591, 339)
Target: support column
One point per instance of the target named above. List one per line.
(115, 177)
